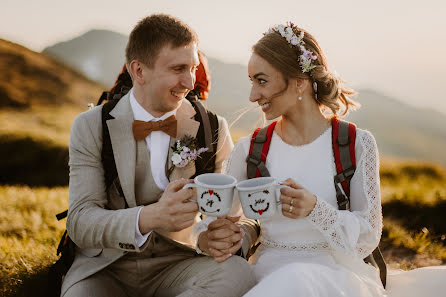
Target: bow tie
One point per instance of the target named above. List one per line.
(141, 129)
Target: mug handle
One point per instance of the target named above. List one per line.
(278, 187)
(187, 186)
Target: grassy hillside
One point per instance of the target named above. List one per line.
(413, 194)
(28, 78)
(39, 98)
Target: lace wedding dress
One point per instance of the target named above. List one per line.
(321, 254)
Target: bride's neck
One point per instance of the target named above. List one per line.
(302, 127)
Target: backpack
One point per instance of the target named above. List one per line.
(207, 136)
(343, 141)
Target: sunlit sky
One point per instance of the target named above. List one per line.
(396, 47)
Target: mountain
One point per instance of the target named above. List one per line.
(28, 77)
(39, 98)
(400, 130)
(99, 54)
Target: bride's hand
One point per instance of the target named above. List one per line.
(297, 202)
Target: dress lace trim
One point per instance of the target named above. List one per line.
(309, 247)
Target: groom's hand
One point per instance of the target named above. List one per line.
(222, 239)
(173, 211)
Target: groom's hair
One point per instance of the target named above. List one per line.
(152, 33)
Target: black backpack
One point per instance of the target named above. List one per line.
(343, 141)
(207, 136)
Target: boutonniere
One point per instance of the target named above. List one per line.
(185, 150)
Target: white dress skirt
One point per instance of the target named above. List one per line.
(286, 273)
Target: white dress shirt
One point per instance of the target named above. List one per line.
(158, 145)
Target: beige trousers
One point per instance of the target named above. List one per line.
(181, 274)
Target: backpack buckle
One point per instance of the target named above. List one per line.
(250, 159)
(345, 175)
(344, 205)
(348, 173)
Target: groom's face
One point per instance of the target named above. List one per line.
(171, 78)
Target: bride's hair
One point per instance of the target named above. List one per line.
(331, 91)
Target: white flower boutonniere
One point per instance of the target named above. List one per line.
(186, 151)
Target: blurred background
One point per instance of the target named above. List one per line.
(58, 56)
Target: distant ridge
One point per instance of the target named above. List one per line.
(401, 130)
(98, 53)
(28, 77)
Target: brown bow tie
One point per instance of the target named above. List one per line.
(141, 129)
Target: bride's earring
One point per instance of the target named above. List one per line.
(300, 93)
(300, 96)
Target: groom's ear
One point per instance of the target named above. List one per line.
(136, 71)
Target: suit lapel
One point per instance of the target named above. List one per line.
(124, 147)
(186, 125)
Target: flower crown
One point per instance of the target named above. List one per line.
(288, 32)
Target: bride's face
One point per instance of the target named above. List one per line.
(269, 89)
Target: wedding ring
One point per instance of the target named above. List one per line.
(292, 200)
(291, 209)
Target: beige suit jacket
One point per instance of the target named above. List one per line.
(98, 222)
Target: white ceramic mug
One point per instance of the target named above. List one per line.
(260, 197)
(215, 192)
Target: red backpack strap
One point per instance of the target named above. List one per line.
(258, 150)
(343, 139)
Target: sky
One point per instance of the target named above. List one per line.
(396, 47)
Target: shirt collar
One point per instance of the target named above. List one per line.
(140, 114)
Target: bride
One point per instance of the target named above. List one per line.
(310, 248)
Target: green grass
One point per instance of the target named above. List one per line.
(414, 204)
(29, 233)
(420, 242)
(41, 123)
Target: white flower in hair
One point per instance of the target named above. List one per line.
(288, 32)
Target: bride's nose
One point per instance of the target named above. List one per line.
(254, 95)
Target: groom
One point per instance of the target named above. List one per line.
(125, 233)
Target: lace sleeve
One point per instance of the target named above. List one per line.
(359, 231)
